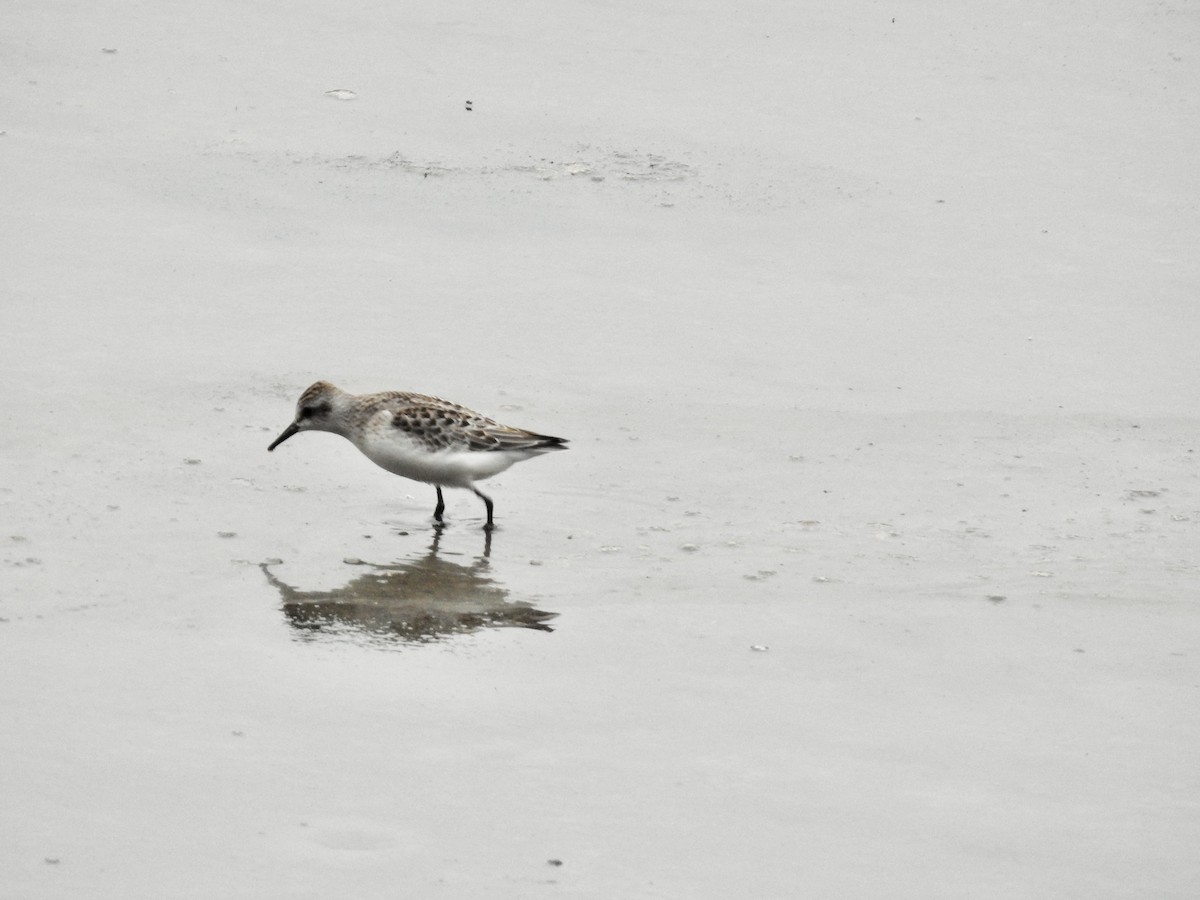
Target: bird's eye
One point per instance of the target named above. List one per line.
(315, 410)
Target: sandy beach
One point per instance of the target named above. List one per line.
(872, 570)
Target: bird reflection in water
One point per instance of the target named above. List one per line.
(416, 602)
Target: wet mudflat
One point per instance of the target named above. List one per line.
(871, 569)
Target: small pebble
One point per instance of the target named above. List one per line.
(760, 575)
(759, 648)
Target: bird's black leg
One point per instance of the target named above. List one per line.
(487, 501)
(441, 507)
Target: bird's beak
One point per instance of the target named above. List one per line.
(287, 433)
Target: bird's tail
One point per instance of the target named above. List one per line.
(545, 442)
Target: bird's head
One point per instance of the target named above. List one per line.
(316, 410)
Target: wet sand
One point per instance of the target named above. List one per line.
(872, 568)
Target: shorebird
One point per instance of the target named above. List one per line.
(420, 437)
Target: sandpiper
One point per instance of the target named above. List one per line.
(423, 438)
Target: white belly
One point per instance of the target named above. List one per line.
(396, 452)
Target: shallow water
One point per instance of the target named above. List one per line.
(871, 570)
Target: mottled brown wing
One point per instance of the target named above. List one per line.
(437, 427)
(443, 426)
